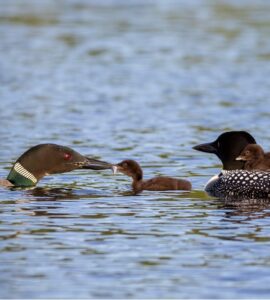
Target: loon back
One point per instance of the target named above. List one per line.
(240, 184)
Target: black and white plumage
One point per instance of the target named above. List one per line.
(240, 184)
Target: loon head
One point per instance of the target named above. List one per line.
(46, 159)
(227, 147)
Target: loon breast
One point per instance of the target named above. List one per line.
(240, 184)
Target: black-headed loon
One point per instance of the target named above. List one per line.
(228, 147)
(234, 182)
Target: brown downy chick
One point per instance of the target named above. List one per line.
(132, 169)
(254, 158)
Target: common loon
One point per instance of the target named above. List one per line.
(132, 169)
(234, 182)
(255, 158)
(46, 159)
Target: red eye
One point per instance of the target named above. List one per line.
(67, 156)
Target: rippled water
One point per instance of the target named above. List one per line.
(132, 79)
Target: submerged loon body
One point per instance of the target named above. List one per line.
(240, 184)
(235, 182)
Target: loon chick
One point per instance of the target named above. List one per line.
(240, 185)
(132, 169)
(255, 158)
(228, 147)
(46, 159)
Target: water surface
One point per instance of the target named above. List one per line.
(132, 79)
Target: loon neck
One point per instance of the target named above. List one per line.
(137, 186)
(19, 176)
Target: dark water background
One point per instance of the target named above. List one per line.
(132, 79)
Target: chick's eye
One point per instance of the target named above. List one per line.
(67, 156)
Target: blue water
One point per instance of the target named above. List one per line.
(132, 79)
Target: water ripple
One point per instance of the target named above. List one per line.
(145, 80)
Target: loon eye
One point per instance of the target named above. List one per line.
(67, 156)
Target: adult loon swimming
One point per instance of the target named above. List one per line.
(161, 183)
(46, 159)
(234, 182)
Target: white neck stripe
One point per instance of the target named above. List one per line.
(22, 171)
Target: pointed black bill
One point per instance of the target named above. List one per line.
(95, 164)
(207, 147)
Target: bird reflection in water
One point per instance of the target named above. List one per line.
(248, 209)
(52, 194)
(49, 201)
